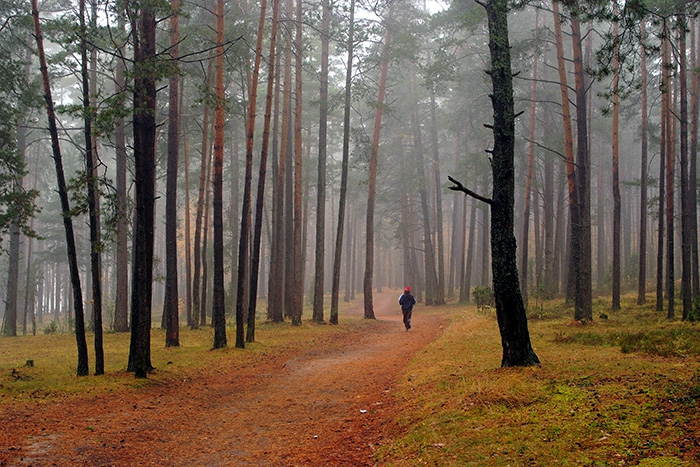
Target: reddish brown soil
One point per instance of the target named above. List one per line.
(328, 405)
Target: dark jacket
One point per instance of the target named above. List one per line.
(406, 300)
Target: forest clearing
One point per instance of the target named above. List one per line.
(367, 393)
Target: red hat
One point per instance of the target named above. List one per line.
(407, 289)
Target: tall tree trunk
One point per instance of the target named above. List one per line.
(90, 157)
(510, 311)
(440, 280)
(31, 279)
(319, 263)
(188, 229)
(349, 270)
(206, 222)
(568, 135)
(686, 291)
(121, 302)
(290, 252)
(581, 224)
(524, 247)
(82, 368)
(245, 293)
(463, 297)
(550, 279)
(467, 281)
(485, 227)
(196, 277)
(616, 169)
(641, 289)
(337, 257)
(662, 193)
(670, 170)
(260, 197)
(692, 186)
(456, 246)
(171, 302)
(275, 308)
(218, 315)
(298, 297)
(372, 183)
(144, 123)
(9, 324)
(431, 279)
(233, 213)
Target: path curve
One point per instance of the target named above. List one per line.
(313, 407)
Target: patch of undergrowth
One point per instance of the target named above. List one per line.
(665, 342)
(588, 404)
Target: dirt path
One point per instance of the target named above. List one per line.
(315, 408)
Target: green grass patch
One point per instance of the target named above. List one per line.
(591, 402)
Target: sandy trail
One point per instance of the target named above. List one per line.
(329, 404)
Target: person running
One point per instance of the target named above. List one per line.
(406, 300)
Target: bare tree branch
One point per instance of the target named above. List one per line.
(459, 187)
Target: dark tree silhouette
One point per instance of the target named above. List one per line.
(144, 200)
(82, 369)
(510, 310)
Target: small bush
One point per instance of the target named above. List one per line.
(483, 297)
(694, 314)
(51, 328)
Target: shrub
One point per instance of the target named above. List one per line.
(483, 297)
(51, 328)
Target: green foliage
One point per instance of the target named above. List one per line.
(51, 328)
(694, 314)
(662, 462)
(17, 96)
(665, 342)
(483, 297)
(668, 341)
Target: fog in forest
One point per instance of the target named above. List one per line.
(372, 105)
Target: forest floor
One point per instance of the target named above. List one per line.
(328, 402)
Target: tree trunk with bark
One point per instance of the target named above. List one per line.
(440, 263)
(510, 310)
(524, 247)
(82, 368)
(93, 204)
(431, 278)
(319, 262)
(171, 302)
(568, 138)
(298, 297)
(642, 279)
(121, 302)
(581, 223)
(372, 182)
(616, 170)
(204, 164)
(338, 253)
(218, 316)
(692, 186)
(144, 123)
(262, 174)
(275, 308)
(670, 170)
(686, 208)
